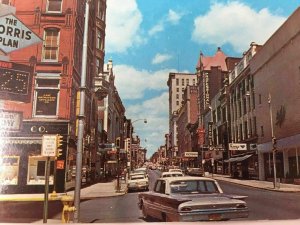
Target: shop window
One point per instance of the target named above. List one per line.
(9, 170)
(51, 45)
(37, 170)
(54, 6)
(46, 97)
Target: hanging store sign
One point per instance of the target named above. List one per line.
(191, 154)
(15, 35)
(10, 121)
(237, 147)
(210, 134)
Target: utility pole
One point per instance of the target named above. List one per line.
(274, 142)
(81, 116)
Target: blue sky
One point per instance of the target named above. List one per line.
(148, 39)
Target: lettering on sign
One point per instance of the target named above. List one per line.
(237, 147)
(10, 121)
(206, 89)
(191, 154)
(15, 35)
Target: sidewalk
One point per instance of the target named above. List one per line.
(266, 185)
(97, 190)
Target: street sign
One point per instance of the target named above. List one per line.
(49, 145)
(237, 147)
(191, 154)
(14, 35)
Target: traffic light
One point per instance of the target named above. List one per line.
(118, 142)
(59, 140)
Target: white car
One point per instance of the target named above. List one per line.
(189, 199)
(171, 174)
(175, 170)
(138, 182)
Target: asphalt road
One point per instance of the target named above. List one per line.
(267, 205)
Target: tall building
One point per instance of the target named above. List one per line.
(177, 83)
(52, 103)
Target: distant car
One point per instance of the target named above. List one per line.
(175, 170)
(188, 199)
(171, 174)
(195, 172)
(138, 182)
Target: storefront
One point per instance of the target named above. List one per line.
(243, 166)
(23, 168)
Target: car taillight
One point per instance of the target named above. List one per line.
(240, 206)
(186, 209)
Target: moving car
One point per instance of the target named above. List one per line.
(188, 199)
(195, 172)
(138, 182)
(171, 174)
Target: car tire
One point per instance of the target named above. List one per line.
(145, 215)
(165, 218)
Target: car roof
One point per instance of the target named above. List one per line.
(172, 172)
(170, 179)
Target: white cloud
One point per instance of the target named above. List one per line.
(160, 58)
(156, 29)
(122, 25)
(174, 17)
(235, 23)
(132, 83)
(155, 110)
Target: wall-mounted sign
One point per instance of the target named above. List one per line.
(15, 81)
(10, 121)
(237, 147)
(15, 35)
(206, 90)
(60, 164)
(191, 154)
(210, 134)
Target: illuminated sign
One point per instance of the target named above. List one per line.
(15, 81)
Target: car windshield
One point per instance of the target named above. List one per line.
(194, 187)
(136, 177)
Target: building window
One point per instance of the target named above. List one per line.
(182, 82)
(6, 2)
(9, 170)
(194, 81)
(187, 81)
(54, 5)
(37, 170)
(177, 96)
(46, 97)
(177, 81)
(259, 99)
(254, 126)
(51, 44)
(262, 131)
(99, 40)
(177, 102)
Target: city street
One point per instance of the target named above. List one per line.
(124, 208)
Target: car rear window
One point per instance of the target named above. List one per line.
(193, 187)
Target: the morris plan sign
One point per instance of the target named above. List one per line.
(14, 34)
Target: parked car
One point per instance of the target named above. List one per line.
(138, 182)
(188, 199)
(171, 174)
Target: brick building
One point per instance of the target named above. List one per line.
(54, 87)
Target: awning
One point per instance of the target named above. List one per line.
(238, 159)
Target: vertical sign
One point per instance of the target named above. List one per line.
(210, 136)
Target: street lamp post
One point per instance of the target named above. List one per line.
(130, 134)
(273, 142)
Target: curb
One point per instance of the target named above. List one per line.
(262, 188)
